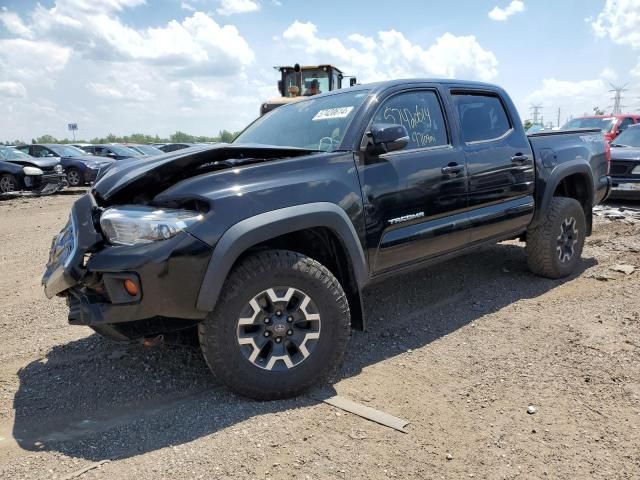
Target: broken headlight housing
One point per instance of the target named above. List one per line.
(135, 225)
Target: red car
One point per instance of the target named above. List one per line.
(611, 125)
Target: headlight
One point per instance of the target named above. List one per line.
(636, 171)
(135, 225)
(32, 171)
(57, 168)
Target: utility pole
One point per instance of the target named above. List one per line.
(535, 109)
(558, 117)
(617, 98)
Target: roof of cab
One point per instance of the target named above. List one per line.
(380, 86)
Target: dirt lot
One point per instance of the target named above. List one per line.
(460, 350)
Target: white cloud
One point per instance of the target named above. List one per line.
(501, 14)
(14, 24)
(130, 91)
(12, 89)
(93, 6)
(193, 91)
(196, 45)
(29, 59)
(609, 74)
(231, 7)
(186, 6)
(392, 55)
(619, 21)
(367, 43)
(193, 62)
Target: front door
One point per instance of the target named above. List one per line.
(414, 198)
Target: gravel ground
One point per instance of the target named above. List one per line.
(461, 350)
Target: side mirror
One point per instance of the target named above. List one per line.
(385, 138)
(111, 155)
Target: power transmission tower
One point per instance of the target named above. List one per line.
(617, 98)
(535, 109)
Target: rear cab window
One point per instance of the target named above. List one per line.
(483, 116)
(420, 112)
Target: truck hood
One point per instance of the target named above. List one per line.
(43, 162)
(139, 180)
(625, 153)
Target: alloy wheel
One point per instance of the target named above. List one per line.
(74, 178)
(7, 184)
(279, 328)
(567, 239)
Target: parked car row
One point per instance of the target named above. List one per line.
(611, 125)
(19, 171)
(625, 164)
(47, 168)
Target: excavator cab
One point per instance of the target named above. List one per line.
(298, 82)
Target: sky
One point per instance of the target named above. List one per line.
(199, 66)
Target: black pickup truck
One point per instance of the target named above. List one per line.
(266, 244)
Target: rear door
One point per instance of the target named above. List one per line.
(415, 197)
(499, 164)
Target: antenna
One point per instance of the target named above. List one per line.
(617, 98)
(535, 109)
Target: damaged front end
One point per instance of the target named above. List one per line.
(128, 264)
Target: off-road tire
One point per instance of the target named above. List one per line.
(74, 177)
(6, 180)
(218, 333)
(543, 255)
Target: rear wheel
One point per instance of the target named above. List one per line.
(74, 177)
(8, 183)
(554, 247)
(281, 325)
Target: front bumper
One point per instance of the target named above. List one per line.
(45, 184)
(625, 186)
(90, 274)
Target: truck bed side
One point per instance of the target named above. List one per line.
(572, 163)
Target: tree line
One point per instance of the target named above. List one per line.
(224, 136)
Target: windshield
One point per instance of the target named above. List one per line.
(8, 153)
(123, 151)
(604, 124)
(314, 124)
(147, 149)
(629, 138)
(67, 151)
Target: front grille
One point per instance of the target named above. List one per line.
(622, 168)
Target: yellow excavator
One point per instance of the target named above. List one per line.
(298, 82)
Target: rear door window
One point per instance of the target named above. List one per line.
(482, 117)
(39, 151)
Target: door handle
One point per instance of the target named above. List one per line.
(519, 159)
(452, 169)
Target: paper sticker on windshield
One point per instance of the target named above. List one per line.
(330, 113)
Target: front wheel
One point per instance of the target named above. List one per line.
(74, 177)
(8, 183)
(281, 325)
(554, 247)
